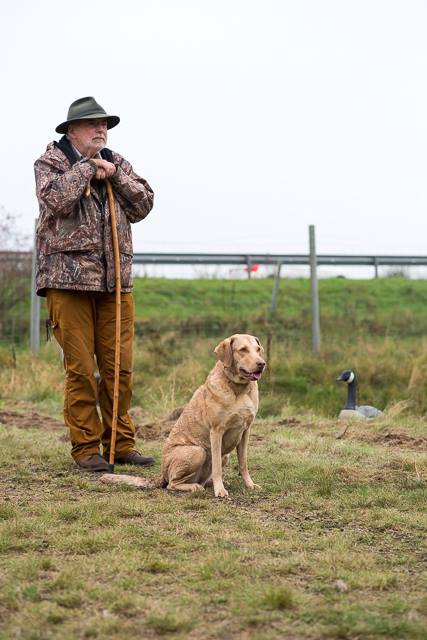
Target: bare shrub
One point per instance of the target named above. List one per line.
(15, 280)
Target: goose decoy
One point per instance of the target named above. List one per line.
(351, 410)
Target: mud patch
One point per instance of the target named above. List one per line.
(396, 438)
(290, 422)
(359, 431)
(29, 420)
(148, 428)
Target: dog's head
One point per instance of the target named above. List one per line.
(242, 357)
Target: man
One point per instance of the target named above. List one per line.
(75, 271)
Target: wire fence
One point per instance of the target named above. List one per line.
(15, 292)
(21, 322)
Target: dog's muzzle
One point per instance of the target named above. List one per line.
(252, 375)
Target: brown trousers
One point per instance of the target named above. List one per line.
(83, 323)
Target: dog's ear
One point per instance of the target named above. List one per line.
(224, 352)
(259, 343)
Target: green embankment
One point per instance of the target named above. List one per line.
(368, 308)
(374, 326)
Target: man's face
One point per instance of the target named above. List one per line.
(88, 136)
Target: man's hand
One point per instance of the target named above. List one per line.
(105, 169)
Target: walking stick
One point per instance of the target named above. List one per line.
(116, 253)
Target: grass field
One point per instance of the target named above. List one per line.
(332, 546)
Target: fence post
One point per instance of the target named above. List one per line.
(376, 266)
(314, 291)
(35, 303)
(274, 294)
(275, 290)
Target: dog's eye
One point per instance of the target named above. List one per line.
(244, 350)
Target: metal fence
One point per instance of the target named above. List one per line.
(15, 289)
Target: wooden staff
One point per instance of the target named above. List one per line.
(116, 253)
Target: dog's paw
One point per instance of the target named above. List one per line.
(221, 492)
(254, 486)
(197, 487)
(250, 484)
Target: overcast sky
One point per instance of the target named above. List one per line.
(250, 119)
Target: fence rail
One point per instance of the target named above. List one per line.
(275, 258)
(252, 258)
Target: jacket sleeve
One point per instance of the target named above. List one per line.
(134, 192)
(60, 189)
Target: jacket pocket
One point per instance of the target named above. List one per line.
(126, 269)
(75, 237)
(124, 235)
(67, 247)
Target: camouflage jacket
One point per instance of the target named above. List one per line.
(74, 244)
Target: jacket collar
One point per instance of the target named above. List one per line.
(69, 152)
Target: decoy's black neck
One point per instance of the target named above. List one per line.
(351, 396)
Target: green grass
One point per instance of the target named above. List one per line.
(214, 307)
(79, 559)
(377, 327)
(387, 306)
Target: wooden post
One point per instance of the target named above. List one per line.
(35, 303)
(118, 299)
(314, 291)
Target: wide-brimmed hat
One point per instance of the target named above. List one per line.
(86, 109)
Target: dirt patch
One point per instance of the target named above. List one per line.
(350, 431)
(158, 428)
(29, 420)
(397, 438)
(148, 428)
(290, 422)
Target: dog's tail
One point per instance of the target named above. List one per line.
(134, 481)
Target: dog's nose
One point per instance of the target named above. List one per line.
(260, 364)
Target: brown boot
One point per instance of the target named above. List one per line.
(94, 462)
(134, 457)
